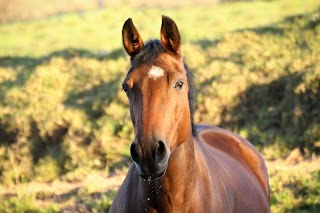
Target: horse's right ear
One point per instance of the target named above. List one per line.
(170, 36)
(131, 39)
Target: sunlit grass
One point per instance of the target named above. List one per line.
(101, 30)
(294, 188)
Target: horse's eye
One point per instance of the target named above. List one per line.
(178, 84)
(125, 89)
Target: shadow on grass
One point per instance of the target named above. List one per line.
(305, 208)
(8, 135)
(27, 62)
(98, 201)
(50, 144)
(25, 65)
(275, 29)
(275, 113)
(278, 29)
(206, 43)
(125, 162)
(94, 202)
(90, 101)
(94, 99)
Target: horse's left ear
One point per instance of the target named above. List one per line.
(170, 37)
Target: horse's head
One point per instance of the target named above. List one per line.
(157, 87)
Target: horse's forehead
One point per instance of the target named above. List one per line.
(162, 65)
(174, 64)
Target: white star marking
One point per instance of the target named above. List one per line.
(155, 72)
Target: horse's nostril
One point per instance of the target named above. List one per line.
(160, 151)
(161, 148)
(134, 152)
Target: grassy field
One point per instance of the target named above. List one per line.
(64, 121)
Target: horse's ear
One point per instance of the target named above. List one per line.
(131, 39)
(170, 37)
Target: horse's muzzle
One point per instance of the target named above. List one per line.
(151, 163)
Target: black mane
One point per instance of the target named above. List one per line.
(147, 55)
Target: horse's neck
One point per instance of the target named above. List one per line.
(181, 167)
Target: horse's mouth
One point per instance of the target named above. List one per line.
(153, 176)
(147, 173)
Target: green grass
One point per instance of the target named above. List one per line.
(63, 114)
(101, 30)
(24, 204)
(294, 188)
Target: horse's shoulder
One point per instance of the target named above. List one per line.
(237, 147)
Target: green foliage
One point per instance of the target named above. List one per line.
(47, 169)
(294, 191)
(59, 112)
(23, 204)
(264, 82)
(101, 203)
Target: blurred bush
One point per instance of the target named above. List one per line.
(64, 110)
(61, 112)
(265, 84)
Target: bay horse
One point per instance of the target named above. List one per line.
(179, 166)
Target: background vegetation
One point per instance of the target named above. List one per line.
(64, 120)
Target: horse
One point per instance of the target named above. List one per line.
(179, 166)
